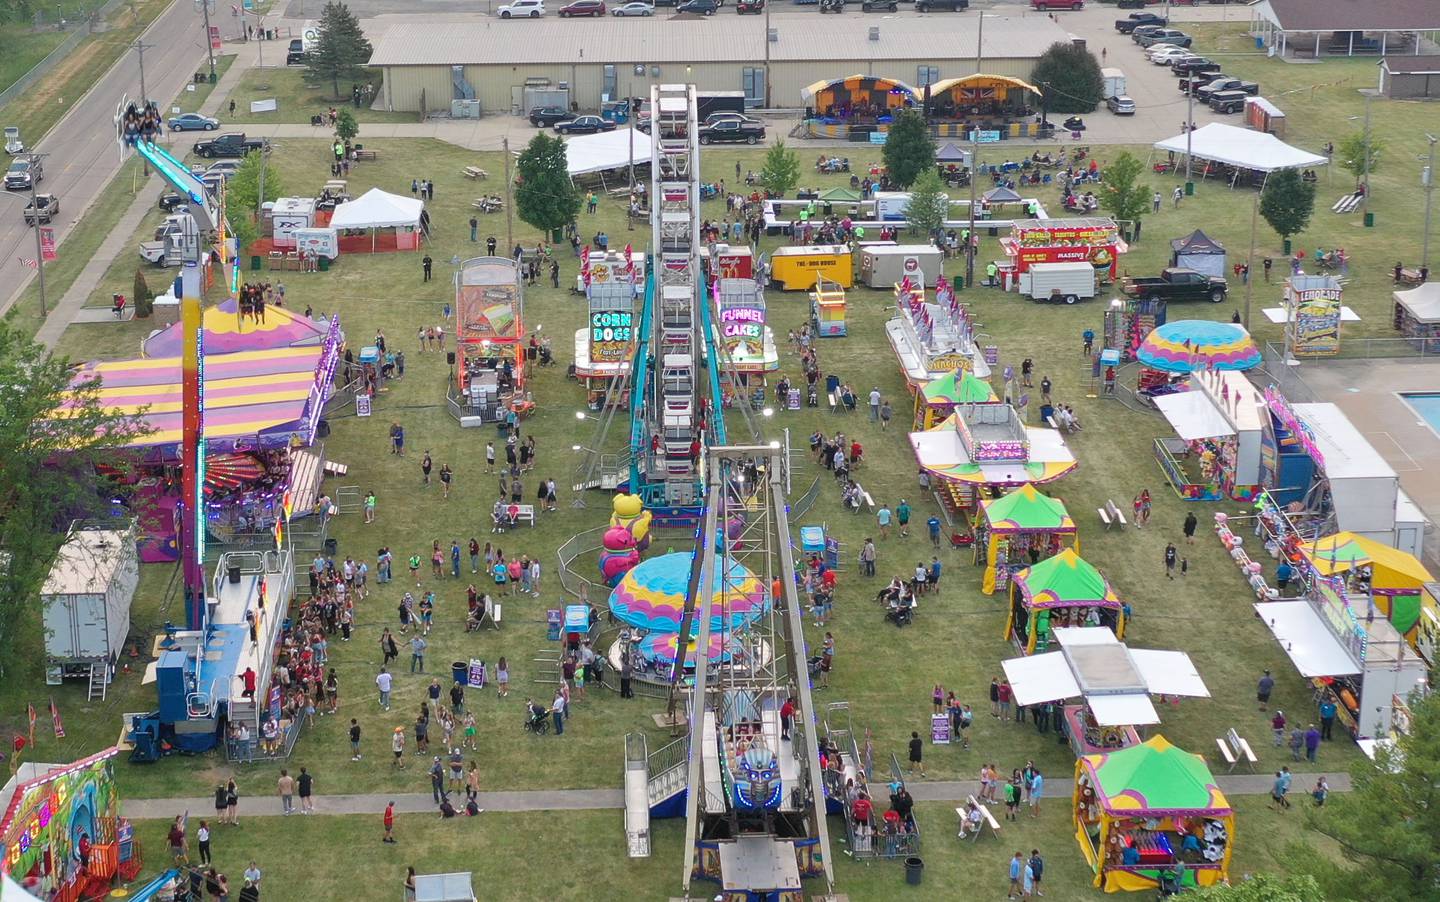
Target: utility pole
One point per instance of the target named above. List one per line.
(35, 205)
(767, 55)
(1365, 178)
(260, 198)
(209, 46)
(1250, 263)
(974, 163)
(509, 201)
(140, 48)
(1429, 196)
(1189, 124)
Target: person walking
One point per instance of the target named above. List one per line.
(902, 516)
(1037, 870)
(1171, 558)
(1321, 792)
(1017, 870)
(1312, 743)
(1264, 688)
(417, 653)
(1178, 195)
(875, 399)
(1277, 727)
(306, 785)
(1191, 521)
(886, 412)
(557, 710)
(1037, 789)
(882, 519)
(1280, 789)
(397, 748)
(867, 557)
(1155, 202)
(383, 682)
(1297, 742)
(389, 822)
(285, 788)
(627, 671)
(917, 752)
(354, 739)
(425, 264)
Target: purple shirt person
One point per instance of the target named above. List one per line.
(1312, 742)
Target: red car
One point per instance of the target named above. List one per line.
(583, 8)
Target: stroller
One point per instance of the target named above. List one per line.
(537, 723)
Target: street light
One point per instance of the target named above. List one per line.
(1429, 182)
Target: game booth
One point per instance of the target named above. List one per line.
(650, 602)
(1096, 241)
(827, 308)
(938, 399)
(1183, 346)
(610, 282)
(1313, 309)
(933, 338)
(1152, 815)
(392, 221)
(1019, 530)
(1064, 591)
(1219, 422)
(490, 314)
(984, 447)
(1127, 322)
(739, 310)
(63, 837)
(1417, 316)
(262, 411)
(1113, 682)
(857, 104)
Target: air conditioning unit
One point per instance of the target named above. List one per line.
(464, 109)
(874, 33)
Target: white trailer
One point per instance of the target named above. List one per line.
(288, 215)
(1114, 82)
(1060, 282)
(85, 604)
(881, 266)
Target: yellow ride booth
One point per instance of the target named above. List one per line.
(1152, 815)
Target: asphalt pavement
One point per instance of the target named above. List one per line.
(82, 155)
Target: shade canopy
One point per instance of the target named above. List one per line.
(1241, 147)
(1065, 580)
(1194, 416)
(1422, 303)
(1307, 639)
(604, 151)
(950, 152)
(1026, 510)
(1154, 779)
(1001, 195)
(1390, 567)
(959, 387)
(652, 596)
(840, 195)
(226, 333)
(851, 88)
(1186, 345)
(376, 209)
(1197, 242)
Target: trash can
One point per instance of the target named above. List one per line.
(331, 547)
(232, 573)
(1259, 42)
(1285, 247)
(254, 262)
(914, 870)
(1189, 189)
(459, 671)
(1369, 220)
(959, 283)
(323, 263)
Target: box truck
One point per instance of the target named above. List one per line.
(795, 268)
(1059, 282)
(1114, 83)
(85, 603)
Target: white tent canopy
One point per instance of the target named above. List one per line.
(1194, 416)
(605, 150)
(1423, 303)
(1241, 147)
(376, 209)
(1307, 639)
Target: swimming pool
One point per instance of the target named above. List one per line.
(1426, 404)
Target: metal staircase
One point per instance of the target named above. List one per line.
(99, 680)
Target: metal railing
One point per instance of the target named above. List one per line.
(581, 543)
(802, 505)
(246, 751)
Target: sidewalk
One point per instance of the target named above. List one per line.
(614, 799)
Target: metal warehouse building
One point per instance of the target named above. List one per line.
(620, 57)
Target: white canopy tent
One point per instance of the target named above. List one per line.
(376, 209)
(1422, 303)
(603, 151)
(1115, 681)
(1194, 416)
(1242, 148)
(1311, 645)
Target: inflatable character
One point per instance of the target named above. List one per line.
(630, 514)
(620, 555)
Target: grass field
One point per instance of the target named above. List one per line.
(297, 99)
(885, 674)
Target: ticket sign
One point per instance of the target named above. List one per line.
(610, 334)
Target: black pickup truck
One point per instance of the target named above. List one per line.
(233, 144)
(1135, 20)
(1176, 285)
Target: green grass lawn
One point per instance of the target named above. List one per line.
(297, 98)
(24, 48)
(885, 674)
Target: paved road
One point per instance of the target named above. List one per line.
(82, 152)
(604, 799)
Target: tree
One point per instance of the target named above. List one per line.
(340, 51)
(1388, 825)
(1287, 202)
(144, 299)
(928, 206)
(909, 150)
(1352, 154)
(242, 196)
(781, 172)
(346, 127)
(545, 197)
(1069, 79)
(1265, 888)
(47, 472)
(1121, 195)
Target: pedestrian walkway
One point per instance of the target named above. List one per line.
(607, 799)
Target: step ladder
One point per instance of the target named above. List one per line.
(99, 681)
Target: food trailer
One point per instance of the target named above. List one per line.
(733, 261)
(796, 268)
(882, 266)
(287, 215)
(1312, 321)
(1095, 241)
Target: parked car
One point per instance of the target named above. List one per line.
(1194, 65)
(584, 125)
(1135, 20)
(730, 116)
(1204, 91)
(732, 131)
(749, 6)
(1120, 105)
(170, 201)
(1228, 101)
(193, 122)
(954, 6)
(1169, 55)
(878, 6)
(546, 116)
(634, 9)
(18, 177)
(1140, 31)
(1176, 285)
(583, 8)
(1166, 36)
(1057, 4)
(233, 144)
(49, 208)
(522, 9)
(226, 168)
(295, 55)
(698, 7)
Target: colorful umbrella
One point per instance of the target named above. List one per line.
(660, 648)
(652, 596)
(1187, 345)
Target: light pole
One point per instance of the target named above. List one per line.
(1250, 263)
(1429, 182)
(974, 162)
(209, 46)
(1365, 178)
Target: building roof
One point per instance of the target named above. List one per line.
(717, 39)
(1352, 15)
(1411, 65)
